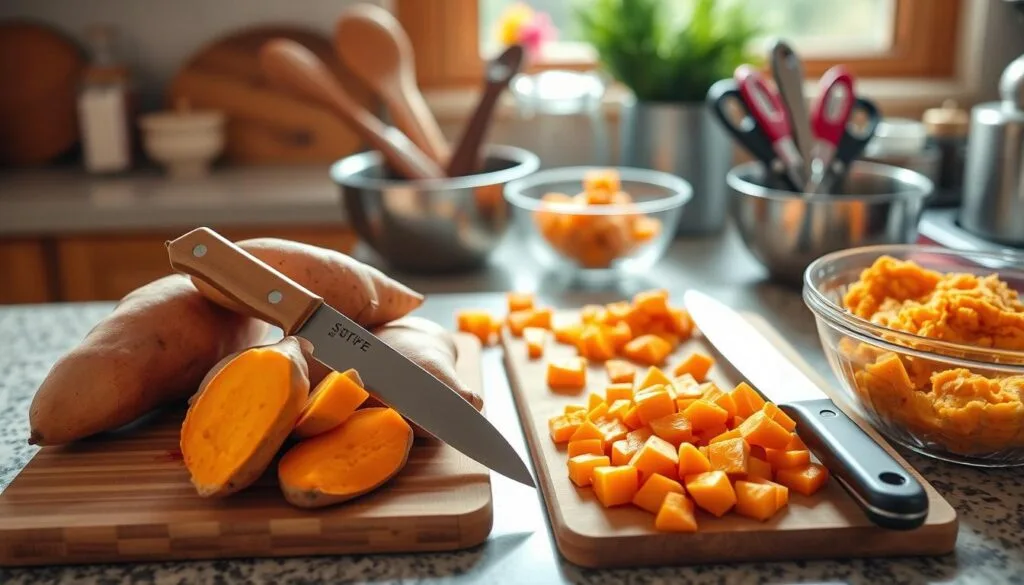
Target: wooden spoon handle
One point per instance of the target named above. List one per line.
(466, 158)
(289, 63)
(412, 116)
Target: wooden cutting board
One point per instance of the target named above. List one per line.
(128, 498)
(265, 123)
(826, 525)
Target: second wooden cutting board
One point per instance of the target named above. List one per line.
(826, 525)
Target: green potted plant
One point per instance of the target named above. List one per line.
(669, 52)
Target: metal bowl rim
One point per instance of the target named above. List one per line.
(921, 186)
(346, 172)
(680, 191)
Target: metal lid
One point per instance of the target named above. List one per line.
(1011, 84)
(949, 120)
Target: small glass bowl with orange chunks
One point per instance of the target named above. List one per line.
(598, 223)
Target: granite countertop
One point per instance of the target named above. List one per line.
(520, 549)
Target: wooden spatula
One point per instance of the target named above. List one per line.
(372, 44)
(500, 71)
(292, 65)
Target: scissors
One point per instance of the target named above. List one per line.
(857, 132)
(788, 72)
(766, 108)
(830, 114)
(725, 100)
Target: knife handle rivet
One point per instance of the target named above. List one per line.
(892, 478)
(827, 413)
(275, 297)
(199, 251)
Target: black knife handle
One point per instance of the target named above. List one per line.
(887, 493)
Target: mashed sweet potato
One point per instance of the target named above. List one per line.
(968, 412)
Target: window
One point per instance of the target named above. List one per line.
(874, 38)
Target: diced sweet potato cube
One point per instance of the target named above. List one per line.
(747, 400)
(681, 322)
(520, 320)
(726, 436)
(803, 480)
(611, 429)
(711, 491)
(696, 364)
(594, 400)
(476, 322)
(758, 468)
(760, 430)
(755, 500)
(592, 313)
(775, 413)
(653, 491)
(584, 446)
(535, 338)
(567, 374)
(620, 372)
(656, 456)
(619, 334)
(620, 454)
(652, 302)
(782, 459)
(674, 428)
(617, 311)
(650, 350)
(581, 468)
(684, 403)
(595, 345)
(562, 428)
(615, 486)
(685, 386)
(705, 415)
(646, 228)
(653, 403)
(692, 461)
(735, 422)
(723, 400)
(632, 418)
(619, 391)
(571, 408)
(601, 180)
(598, 411)
(624, 449)
(795, 443)
(654, 376)
(676, 514)
(587, 430)
(518, 301)
(890, 368)
(730, 456)
(568, 334)
(781, 491)
(619, 408)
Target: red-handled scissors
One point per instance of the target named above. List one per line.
(830, 114)
(766, 108)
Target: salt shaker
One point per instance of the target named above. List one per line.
(105, 107)
(947, 129)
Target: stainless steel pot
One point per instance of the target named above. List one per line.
(993, 200)
(434, 226)
(786, 231)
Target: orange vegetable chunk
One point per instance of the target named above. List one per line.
(760, 430)
(615, 486)
(803, 480)
(632, 418)
(685, 386)
(775, 413)
(726, 436)
(619, 408)
(711, 491)
(656, 456)
(646, 228)
(648, 349)
(330, 404)
(795, 443)
(611, 429)
(781, 491)
(620, 372)
(617, 312)
(624, 449)
(653, 403)
(567, 374)
(594, 400)
(705, 415)
(571, 408)
(591, 313)
(721, 399)
(692, 461)
(674, 428)
(568, 334)
(595, 345)
(585, 446)
(684, 403)
(730, 456)
(782, 459)
(587, 430)
(681, 322)
(676, 514)
(746, 399)
(696, 364)
(535, 338)
(518, 301)
(562, 428)
(620, 334)
(619, 391)
(476, 322)
(758, 468)
(653, 377)
(755, 500)
(581, 468)
(652, 302)
(653, 491)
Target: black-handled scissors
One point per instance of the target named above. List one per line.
(852, 143)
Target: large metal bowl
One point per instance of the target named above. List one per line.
(434, 226)
(786, 231)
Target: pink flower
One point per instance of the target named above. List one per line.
(536, 32)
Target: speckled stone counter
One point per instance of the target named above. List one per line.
(990, 503)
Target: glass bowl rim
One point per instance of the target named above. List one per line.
(680, 191)
(867, 331)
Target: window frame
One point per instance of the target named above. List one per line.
(445, 35)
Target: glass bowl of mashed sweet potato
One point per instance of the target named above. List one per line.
(598, 223)
(929, 345)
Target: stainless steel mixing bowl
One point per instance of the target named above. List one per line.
(786, 231)
(433, 226)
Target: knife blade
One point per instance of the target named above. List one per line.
(888, 494)
(340, 343)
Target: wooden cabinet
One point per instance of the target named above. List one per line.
(105, 268)
(25, 272)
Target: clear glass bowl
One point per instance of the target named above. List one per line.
(598, 242)
(954, 424)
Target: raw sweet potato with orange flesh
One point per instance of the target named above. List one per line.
(242, 416)
(569, 374)
(536, 338)
(652, 493)
(367, 450)
(696, 364)
(333, 400)
(620, 371)
(153, 349)
(615, 486)
(712, 491)
(676, 514)
(756, 500)
(476, 322)
(650, 350)
(519, 301)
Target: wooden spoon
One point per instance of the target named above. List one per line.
(499, 73)
(290, 64)
(372, 44)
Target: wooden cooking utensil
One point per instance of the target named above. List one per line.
(499, 73)
(290, 64)
(372, 44)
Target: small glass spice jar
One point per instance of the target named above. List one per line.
(947, 129)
